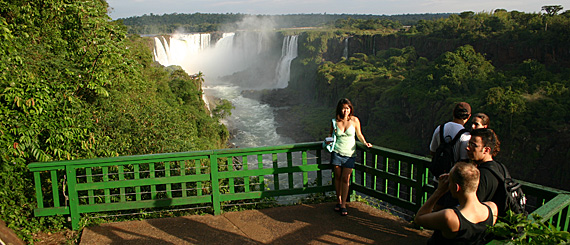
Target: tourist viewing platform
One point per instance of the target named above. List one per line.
(297, 224)
(216, 181)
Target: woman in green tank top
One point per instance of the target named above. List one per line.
(345, 126)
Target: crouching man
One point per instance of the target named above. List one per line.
(463, 224)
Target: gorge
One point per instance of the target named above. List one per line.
(232, 63)
(391, 78)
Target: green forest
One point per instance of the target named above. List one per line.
(203, 22)
(401, 95)
(74, 86)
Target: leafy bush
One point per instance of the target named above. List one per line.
(519, 229)
(75, 86)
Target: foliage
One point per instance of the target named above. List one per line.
(223, 109)
(383, 25)
(73, 85)
(522, 230)
(501, 26)
(401, 96)
(364, 79)
(552, 9)
(204, 22)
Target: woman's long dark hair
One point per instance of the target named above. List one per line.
(339, 106)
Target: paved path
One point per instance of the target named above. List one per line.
(7, 236)
(300, 224)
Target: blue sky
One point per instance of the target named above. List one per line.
(128, 8)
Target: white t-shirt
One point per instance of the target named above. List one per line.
(449, 131)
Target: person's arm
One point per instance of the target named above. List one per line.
(359, 132)
(444, 220)
(330, 134)
(434, 141)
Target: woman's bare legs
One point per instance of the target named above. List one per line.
(337, 183)
(342, 184)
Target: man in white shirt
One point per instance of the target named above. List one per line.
(461, 114)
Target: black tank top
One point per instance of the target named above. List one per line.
(469, 233)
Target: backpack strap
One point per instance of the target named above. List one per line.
(334, 124)
(452, 142)
(500, 177)
(441, 138)
(457, 136)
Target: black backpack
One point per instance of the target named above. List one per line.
(444, 159)
(515, 200)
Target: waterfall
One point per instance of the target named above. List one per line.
(181, 49)
(345, 50)
(259, 42)
(238, 61)
(161, 51)
(288, 53)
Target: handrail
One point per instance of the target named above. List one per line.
(217, 177)
(405, 170)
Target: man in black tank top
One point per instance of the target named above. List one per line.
(466, 223)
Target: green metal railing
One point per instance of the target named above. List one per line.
(402, 179)
(216, 178)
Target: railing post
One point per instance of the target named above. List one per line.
(73, 197)
(420, 180)
(215, 184)
(38, 186)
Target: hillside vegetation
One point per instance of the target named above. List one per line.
(204, 22)
(401, 95)
(74, 85)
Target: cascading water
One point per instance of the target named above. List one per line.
(345, 50)
(252, 122)
(288, 53)
(179, 48)
(233, 55)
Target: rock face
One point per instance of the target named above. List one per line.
(548, 152)
(7, 235)
(499, 51)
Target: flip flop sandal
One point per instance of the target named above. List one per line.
(337, 208)
(343, 212)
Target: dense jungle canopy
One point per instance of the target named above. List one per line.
(204, 22)
(512, 66)
(74, 85)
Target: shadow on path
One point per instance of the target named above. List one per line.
(300, 224)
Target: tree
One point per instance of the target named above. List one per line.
(223, 109)
(466, 14)
(552, 10)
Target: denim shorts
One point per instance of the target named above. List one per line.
(345, 162)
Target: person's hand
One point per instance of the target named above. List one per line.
(443, 185)
(368, 145)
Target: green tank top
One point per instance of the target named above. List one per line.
(345, 142)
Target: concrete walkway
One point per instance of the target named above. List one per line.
(300, 224)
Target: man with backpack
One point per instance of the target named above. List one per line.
(495, 183)
(449, 146)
